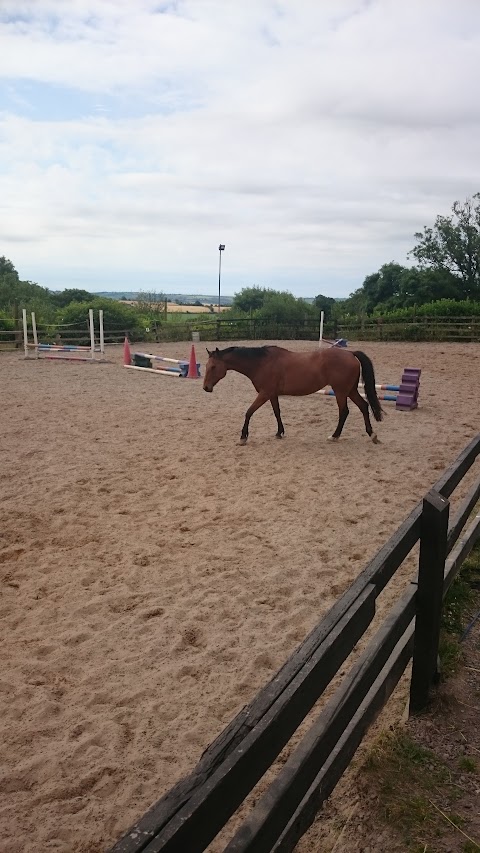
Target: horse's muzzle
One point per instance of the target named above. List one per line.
(208, 388)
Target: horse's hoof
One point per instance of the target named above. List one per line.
(374, 438)
(278, 436)
(332, 438)
(242, 442)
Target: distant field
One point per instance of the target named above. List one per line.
(192, 310)
(187, 316)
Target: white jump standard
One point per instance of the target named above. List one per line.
(53, 352)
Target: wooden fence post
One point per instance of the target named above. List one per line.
(431, 568)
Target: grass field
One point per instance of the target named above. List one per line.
(178, 313)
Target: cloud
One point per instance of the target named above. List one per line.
(313, 139)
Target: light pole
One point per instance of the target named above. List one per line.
(220, 250)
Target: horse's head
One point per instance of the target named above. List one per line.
(215, 370)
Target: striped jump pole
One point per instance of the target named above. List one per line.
(389, 397)
(157, 370)
(382, 387)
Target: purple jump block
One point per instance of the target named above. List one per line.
(407, 397)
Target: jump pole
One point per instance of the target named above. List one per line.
(161, 358)
(321, 329)
(35, 336)
(102, 337)
(66, 358)
(25, 332)
(92, 333)
(151, 370)
(389, 397)
(382, 387)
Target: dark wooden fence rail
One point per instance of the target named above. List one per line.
(420, 328)
(190, 815)
(10, 339)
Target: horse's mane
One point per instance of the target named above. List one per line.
(246, 352)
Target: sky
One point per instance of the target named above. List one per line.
(312, 138)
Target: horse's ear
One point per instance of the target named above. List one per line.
(217, 350)
(209, 353)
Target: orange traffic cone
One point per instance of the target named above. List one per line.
(192, 365)
(127, 358)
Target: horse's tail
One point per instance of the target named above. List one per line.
(368, 375)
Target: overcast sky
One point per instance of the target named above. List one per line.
(311, 137)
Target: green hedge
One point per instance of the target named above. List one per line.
(441, 308)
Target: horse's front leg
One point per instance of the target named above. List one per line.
(260, 400)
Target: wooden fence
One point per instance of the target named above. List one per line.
(76, 334)
(221, 328)
(453, 329)
(214, 328)
(192, 813)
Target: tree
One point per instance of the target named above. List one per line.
(355, 304)
(325, 304)
(152, 304)
(453, 245)
(419, 286)
(251, 298)
(71, 295)
(8, 283)
(283, 307)
(7, 268)
(16, 294)
(383, 287)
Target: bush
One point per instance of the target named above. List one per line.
(118, 318)
(7, 324)
(439, 308)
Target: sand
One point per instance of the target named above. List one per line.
(154, 574)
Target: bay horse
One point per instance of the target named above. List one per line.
(275, 371)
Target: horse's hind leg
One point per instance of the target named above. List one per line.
(276, 411)
(342, 415)
(257, 403)
(362, 404)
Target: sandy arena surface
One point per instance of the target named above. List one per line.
(154, 574)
